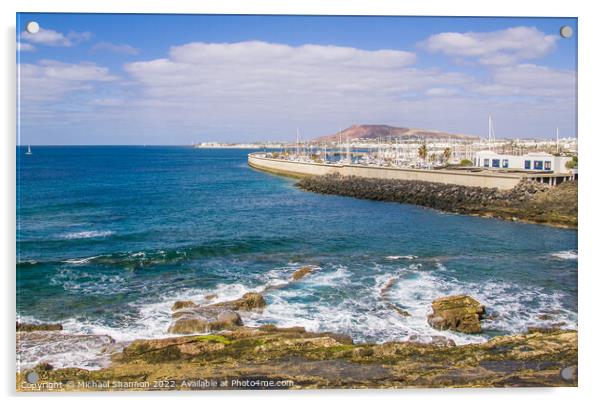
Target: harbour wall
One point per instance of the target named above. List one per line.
(502, 181)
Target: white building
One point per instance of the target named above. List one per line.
(535, 161)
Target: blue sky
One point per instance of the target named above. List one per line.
(175, 79)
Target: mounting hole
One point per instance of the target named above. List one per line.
(566, 31)
(32, 27)
(569, 373)
(32, 377)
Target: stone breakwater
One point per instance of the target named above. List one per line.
(527, 201)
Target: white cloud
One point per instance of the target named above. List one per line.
(504, 47)
(51, 80)
(25, 47)
(108, 102)
(116, 48)
(441, 92)
(275, 74)
(257, 52)
(530, 80)
(255, 85)
(54, 38)
(257, 90)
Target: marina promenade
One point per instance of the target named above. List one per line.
(491, 179)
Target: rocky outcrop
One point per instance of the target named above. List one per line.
(321, 360)
(182, 304)
(189, 325)
(229, 318)
(249, 302)
(302, 272)
(385, 297)
(528, 201)
(198, 319)
(31, 327)
(458, 313)
(189, 317)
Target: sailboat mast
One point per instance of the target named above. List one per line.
(340, 144)
(297, 142)
(491, 133)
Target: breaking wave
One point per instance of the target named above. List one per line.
(336, 298)
(86, 234)
(566, 255)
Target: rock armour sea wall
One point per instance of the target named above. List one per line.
(446, 197)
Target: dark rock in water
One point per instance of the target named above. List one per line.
(457, 312)
(31, 327)
(400, 311)
(250, 301)
(44, 366)
(302, 272)
(229, 317)
(182, 304)
(192, 318)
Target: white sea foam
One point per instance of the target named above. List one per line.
(65, 348)
(83, 260)
(337, 299)
(92, 283)
(514, 308)
(566, 255)
(87, 234)
(408, 257)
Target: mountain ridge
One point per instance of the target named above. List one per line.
(376, 131)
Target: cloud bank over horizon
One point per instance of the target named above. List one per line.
(259, 90)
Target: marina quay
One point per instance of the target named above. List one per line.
(462, 161)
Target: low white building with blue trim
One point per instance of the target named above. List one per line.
(531, 162)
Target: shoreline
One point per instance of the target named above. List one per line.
(212, 344)
(319, 360)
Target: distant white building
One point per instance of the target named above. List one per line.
(535, 161)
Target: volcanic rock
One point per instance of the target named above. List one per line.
(460, 313)
(31, 327)
(302, 272)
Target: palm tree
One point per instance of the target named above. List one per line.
(422, 151)
(447, 153)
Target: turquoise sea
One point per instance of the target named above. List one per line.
(109, 237)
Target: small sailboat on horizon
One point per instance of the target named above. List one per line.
(28, 150)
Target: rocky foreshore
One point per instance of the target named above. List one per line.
(322, 360)
(528, 201)
(239, 356)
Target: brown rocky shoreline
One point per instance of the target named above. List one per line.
(527, 202)
(236, 355)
